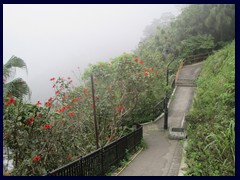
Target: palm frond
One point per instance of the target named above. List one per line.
(17, 88)
(15, 62)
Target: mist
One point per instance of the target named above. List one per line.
(55, 40)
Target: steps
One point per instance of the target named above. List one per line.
(186, 83)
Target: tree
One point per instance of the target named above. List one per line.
(17, 87)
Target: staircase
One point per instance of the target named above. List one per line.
(186, 82)
(188, 75)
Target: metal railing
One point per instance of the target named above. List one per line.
(196, 58)
(99, 162)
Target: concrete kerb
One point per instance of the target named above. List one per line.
(183, 165)
(131, 159)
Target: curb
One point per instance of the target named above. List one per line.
(183, 165)
(134, 156)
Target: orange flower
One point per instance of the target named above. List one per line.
(36, 158)
(30, 121)
(10, 101)
(69, 157)
(71, 114)
(38, 103)
(147, 73)
(75, 99)
(119, 108)
(85, 90)
(48, 104)
(47, 126)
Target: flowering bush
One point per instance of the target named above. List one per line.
(47, 135)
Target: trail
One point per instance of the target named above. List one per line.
(162, 156)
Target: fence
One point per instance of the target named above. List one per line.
(99, 162)
(196, 58)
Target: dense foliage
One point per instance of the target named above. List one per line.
(46, 135)
(211, 121)
(199, 28)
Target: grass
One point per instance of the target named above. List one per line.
(211, 121)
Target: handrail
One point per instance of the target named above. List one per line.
(196, 58)
(101, 160)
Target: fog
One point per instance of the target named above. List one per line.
(55, 40)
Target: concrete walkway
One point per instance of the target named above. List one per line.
(162, 157)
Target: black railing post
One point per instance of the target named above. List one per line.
(102, 161)
(94, 113)
(166, 97)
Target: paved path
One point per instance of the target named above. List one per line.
(162, 156)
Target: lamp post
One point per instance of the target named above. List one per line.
(166, 98)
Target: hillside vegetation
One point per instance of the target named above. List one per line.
(211, 121)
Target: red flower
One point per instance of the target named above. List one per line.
(36, 158)
(144, 69)
(152, 68)
(47, 126)
(54, 86)
(85, 90)
(48, 104)
(52, 79)
(30, 121)
(69, 157)
(10, 101)
(62, 109)
(137, 74)
(38, 103)
(156, 72)
(119, 108)
(71, 114)
(141, 61)
(136, 59)
(75, 99)
(147, 73)
(57, 92)
(64, 97)
(86, 95)
(39, 115)
(50, 99)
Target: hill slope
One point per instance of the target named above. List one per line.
(211, 121)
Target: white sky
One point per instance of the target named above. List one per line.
(54, 40)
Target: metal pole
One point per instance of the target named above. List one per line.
(166, 98)
(94, 112)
